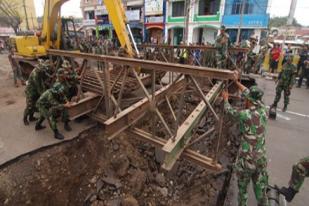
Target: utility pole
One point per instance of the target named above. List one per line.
(241, 20)
(290, 20)
(26, 16)
(186, 31)
(291, 13)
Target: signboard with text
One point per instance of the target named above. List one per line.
(133, 15)
(249, 21)
(153, 7)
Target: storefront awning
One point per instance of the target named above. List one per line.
(208, 26)
(154, 26)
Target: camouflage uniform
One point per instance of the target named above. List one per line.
(261, 57)
(50, 106)
(36, 86)
(252, 160)
(300, 171)
(71, 80)
(250, 60)
(222, 44)
(285, 82)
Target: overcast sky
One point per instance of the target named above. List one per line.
(276, 8)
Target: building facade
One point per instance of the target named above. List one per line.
(96, 21)
(253, 18)
(204, 20)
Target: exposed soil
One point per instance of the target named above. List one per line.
(91, 170)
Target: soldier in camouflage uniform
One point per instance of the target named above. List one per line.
(72, 80)
(51, 105)
(299, 173)
(251, 56)
(222, 45)
(285, 82)
(35, 87)
(252, 160)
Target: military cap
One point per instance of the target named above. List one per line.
(66, 64)
(222, 27)
(255, 94)
(58, 88)
(60, 72)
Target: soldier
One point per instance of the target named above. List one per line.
(251, 56)
(72, 80)
(35, 87)
(222, 44)
(252, 161)
(285, 82)
(261, 57)
(51, 105)
(299, 173)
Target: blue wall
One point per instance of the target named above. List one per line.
(255, 18)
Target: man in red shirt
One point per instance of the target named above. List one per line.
(274, 57)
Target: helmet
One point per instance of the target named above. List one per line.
(60, 72)
(58, 88)
(255, 94)
(66, 64)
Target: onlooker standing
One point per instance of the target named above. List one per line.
(288, 51)
(302, 57)
(304, 73)
(274, 57)
(17, 74)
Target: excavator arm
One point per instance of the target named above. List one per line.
(118, 18)
(51, 32)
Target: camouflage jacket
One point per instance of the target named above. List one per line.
(287, 75)
(222, 43)
(252, 123)
(51, 101)
(36, 81)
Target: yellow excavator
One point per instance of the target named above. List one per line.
(29, 48)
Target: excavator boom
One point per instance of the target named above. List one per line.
(118, 18)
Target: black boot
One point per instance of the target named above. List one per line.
(26, 122)
(67, 127)
(285, 108)
(58, 135)
(32, 118)
(38, 126)
(289, 193)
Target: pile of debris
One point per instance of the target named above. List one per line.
(91, 170)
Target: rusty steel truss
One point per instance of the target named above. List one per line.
(121, 99)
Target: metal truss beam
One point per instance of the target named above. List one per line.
(175, 146)
(127, 117)
(192, 156)
(151, 65)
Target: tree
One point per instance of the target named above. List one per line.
(282, 21)
(9, 14)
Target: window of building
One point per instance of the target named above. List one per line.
(178, 8)
(208, 7)
(89, 14)
(237, 7)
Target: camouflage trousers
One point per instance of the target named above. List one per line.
(299, 173)
(31, 98)
(259, 179)
(221, 60)
(286, 91)
(248, 67)
(52, 114)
